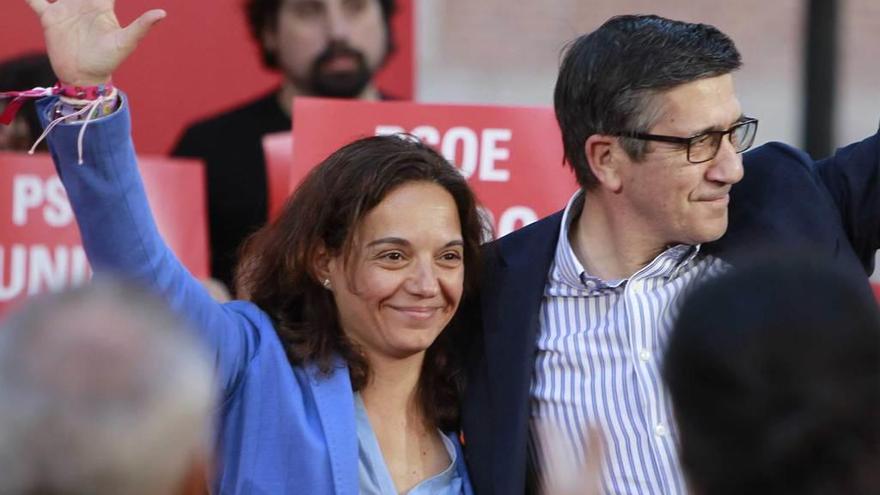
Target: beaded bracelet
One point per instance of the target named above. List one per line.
(72, 107)
(81, 95)
(89, 93)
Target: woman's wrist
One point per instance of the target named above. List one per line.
(76, 102)
(86, 93)
(84, 81)
(73, 105)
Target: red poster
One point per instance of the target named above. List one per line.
(40, 247)
(278, 150)
(511, 156)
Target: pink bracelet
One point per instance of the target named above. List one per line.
(86, 93)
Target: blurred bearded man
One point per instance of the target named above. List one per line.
(325, 48)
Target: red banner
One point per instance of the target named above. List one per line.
(511, 156)
(278, 150)
(40, 247)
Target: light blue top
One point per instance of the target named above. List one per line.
(282, 429)
(374, 478)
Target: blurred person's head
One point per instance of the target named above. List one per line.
(774, 375)
(330, 48)
(638, 77)
(102, 392)
(368, 260)
(19, 74)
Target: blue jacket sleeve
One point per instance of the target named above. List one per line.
(852, 176)
(120, 237)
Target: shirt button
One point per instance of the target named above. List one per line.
(644, 355)
(660, 430)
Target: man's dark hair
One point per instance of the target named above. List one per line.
(264, 13)
(609, 78)
(774, 375)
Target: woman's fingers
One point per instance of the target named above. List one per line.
(594, 445)
(134, 32)
(561, 474)
(38, 6)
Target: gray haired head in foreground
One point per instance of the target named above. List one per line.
(102, 391)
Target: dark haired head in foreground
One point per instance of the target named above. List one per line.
(774, 372)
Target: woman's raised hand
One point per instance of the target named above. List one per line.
(561, 473)
(84, 40)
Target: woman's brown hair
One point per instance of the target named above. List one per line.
(276, 271)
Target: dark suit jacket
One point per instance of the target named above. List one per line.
(785, 201)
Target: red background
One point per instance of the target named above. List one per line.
(175, 189)
(196, 62)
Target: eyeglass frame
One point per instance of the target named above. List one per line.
(690, 140)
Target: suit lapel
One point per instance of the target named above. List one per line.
(510, 309)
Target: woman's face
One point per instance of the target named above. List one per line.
(404, 278)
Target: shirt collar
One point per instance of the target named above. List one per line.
(568, 268)
(570, 271)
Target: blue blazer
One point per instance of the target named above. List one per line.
(282, 429)
(785, 201)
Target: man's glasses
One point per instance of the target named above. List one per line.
(703, 147)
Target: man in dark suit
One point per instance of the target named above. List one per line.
(576, 308)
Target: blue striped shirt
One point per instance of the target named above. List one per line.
(598, 362)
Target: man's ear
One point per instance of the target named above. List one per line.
(604, 159)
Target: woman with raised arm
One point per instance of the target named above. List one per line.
(336, 374)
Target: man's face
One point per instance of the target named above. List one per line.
(328, 47)
(670, 199)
